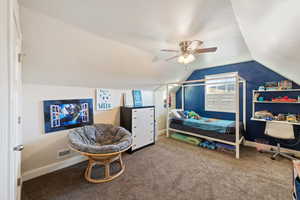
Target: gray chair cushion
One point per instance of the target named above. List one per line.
(100, 139)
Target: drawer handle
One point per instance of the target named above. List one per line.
(134, 118)
(134, 127)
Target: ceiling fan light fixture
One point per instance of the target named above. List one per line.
(190, 58)
(185, 59)
(181, 59)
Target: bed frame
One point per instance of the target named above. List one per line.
(201, 82)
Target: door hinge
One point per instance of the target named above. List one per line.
(19, 120)
(20, 57)
(19, 182)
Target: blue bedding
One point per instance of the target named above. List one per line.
(208, 124)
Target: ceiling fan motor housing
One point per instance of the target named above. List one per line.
(184, 46)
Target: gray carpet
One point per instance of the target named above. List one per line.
(174, 170)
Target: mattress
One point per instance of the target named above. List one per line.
(208, 124)
(222, 130)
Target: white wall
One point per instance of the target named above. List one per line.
(160, 111)
(40, 148)
(160, 94)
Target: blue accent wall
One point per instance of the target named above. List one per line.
(256, 75)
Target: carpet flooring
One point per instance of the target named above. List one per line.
(172, 170)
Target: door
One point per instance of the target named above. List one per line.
(16, 102)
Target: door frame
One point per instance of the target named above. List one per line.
(4, 102)
(8, 188)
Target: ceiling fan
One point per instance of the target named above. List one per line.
(188, 50)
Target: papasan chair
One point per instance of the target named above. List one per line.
(103, 144)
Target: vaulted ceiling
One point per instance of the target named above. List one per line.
(271, 30)
(116, 44)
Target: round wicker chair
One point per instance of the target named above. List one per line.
(103, 144)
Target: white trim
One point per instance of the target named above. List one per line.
(52, 167)
(5, 187)
(162, 132)
(253, 144)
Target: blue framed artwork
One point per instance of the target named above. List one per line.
(137, 98)
(66, 114)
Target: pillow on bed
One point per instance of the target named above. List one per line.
(176, 114)
(181, 113)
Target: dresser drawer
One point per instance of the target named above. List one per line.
(147, 113)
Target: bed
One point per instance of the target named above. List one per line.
(215, 128)
(227, 132)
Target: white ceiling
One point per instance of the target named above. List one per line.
(100, 43)
(271, 29)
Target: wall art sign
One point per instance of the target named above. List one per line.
(104, 99)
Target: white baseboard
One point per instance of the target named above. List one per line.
(52, 167)
(253, 144)
(162, 132)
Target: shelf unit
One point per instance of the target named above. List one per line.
(284, 122)
(289, 90)
(254, 102)
(274, 102)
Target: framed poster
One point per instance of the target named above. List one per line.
(104, 99)
(137, 98)
(65, 114)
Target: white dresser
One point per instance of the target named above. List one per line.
(140, 121)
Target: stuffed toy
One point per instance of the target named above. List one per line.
(193, 115)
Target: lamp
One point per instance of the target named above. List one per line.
(185, 59)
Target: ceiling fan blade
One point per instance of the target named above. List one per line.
(169, 50)
(205, 50)
(168, 59)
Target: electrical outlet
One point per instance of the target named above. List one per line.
(63, 153)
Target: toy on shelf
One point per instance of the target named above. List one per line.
(280, 117)
(263, 114)
(285, 85)
(291, 118)
(275, 86)
(284, 99)
(270, 86)
(261, 99)
(256, 96)
(261, 88)
(298, 117)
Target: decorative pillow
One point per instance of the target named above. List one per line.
(181, 113)
(176, 114)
